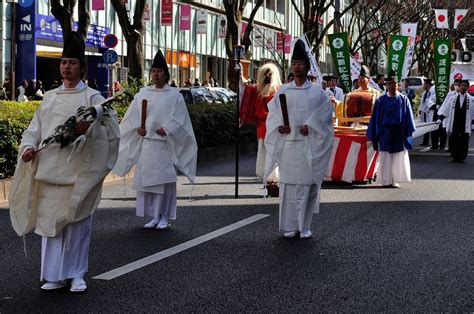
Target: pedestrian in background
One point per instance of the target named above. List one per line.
(21, 90)
(458, 110)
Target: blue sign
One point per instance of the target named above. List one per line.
(110, 56)
(25, 3)
(26, 42)
(47, 27)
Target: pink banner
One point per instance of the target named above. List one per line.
(185, 18)
(98, 5)
(280, 42)
(166, 12)
(287, 43)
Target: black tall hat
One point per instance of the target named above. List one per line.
(299, 52)
(364, 71)
(159, 62)
(74, 47)
(392, 76)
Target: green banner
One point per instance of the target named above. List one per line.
(340, 54)
(396, 53)
(442, 59)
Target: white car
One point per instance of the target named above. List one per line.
(415, 82)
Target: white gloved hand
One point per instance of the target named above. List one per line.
(437, 107)
(439, 121)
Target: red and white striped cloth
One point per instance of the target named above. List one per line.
(352, 159)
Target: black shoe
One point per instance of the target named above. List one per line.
(434, 147)
(441, 148)
(424, 144)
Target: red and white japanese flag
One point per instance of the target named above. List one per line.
(459, 15)
(442, 18)
(409, 29)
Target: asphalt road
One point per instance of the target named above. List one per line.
(407, 249)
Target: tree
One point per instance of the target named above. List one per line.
(133, 34)
(312, 12)
(234, 10)
(64, 14)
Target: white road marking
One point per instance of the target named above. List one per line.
(177, 249)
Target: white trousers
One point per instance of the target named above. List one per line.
(393, 168)
(260, 165)
(66, 255)
(297, 205)
(157, 204)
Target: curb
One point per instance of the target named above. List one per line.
(206, 154)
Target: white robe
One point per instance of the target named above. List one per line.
(62, 191)
(426, 114)
(339, 94)
(302, 160)
(447, 110)
(65, 193)
(157, 157)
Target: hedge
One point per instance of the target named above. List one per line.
(213, 125)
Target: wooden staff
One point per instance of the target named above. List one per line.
(144, 106)
(284, 109)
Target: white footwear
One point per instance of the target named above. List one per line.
(152, 224)
(78, 285)
(53, 285)
(290, 234)
(163, 224)
(395, 185)
(306, 234)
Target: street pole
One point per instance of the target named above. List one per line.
(13, 50)
(337, 17)
(238, 68)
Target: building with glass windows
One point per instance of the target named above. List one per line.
(190, 54)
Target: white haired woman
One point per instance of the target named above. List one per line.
(254, 109)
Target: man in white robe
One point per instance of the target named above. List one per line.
(427, 107)
(458, 112)
(65, 184)
(336, 90)
(301, 148)
(164, 145)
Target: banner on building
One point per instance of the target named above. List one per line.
(314, 67)
(166, 12)
(26, 42)
(396, 53)
(98, 5)
(442, 59)
(47, 27)
(269, 39)
(280, 42)
(185, 18)
(222, 26)
(287, 43)
(201, 20)
(258, 36)
(340, 54)
(355, 71)
(146, 12)
(409, 29)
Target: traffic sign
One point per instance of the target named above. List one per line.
(110, 56)
(110, 41)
